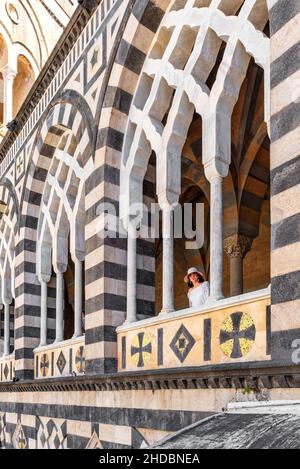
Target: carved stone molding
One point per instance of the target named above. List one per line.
(237, 245)
(267, 377)
(89, 5)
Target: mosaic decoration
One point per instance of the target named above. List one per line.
(198, 339)
(80, 360)
(44, 365)
(182, 343)
(18, 439)
(237, 335)
(67, 358)
(61, 362)
(141, 349)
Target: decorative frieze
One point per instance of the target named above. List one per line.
(60, 359)
(230, 331)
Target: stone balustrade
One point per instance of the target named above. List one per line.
(233, 330)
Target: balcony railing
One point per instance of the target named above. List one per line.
(228, 331)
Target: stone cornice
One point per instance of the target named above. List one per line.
(76, 25)
(249, 376)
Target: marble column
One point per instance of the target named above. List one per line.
(59, 336)
(131, 275)
(168, 259)
(8, 74)
(216, 231)
(236, 247)
(6, 350)
(78, 298)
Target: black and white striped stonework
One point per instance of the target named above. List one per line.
(285, 176)
(106, 284)
(116, 426)
(61, 118)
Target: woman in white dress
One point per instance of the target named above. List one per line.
(198, 288)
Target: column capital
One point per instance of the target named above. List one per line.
(7, 296)
(59, 269)
(44, 278)
(237, 245)
(9, 73)
(77, 256)
(216, 170)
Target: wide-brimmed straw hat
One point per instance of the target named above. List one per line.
(193, 270)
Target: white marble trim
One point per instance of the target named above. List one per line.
(60, 345)
(209, 307)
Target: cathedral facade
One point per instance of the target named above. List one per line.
(126, 106)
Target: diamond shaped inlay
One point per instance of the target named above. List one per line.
(61, 362)
(6, 371)
(182, 343)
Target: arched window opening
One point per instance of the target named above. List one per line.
(23, 82)
(60, 247)
(7, 272)
(205, 116)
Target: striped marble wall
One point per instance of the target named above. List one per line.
(106, 286)
(285, 175)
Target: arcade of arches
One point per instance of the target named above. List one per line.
(201, 109)
(168, 101)
(25, 46)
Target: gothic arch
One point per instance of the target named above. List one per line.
(63, 116)
(141, 27)
(64, 138)
(9, 220)
(197, 63)
(176, 63)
